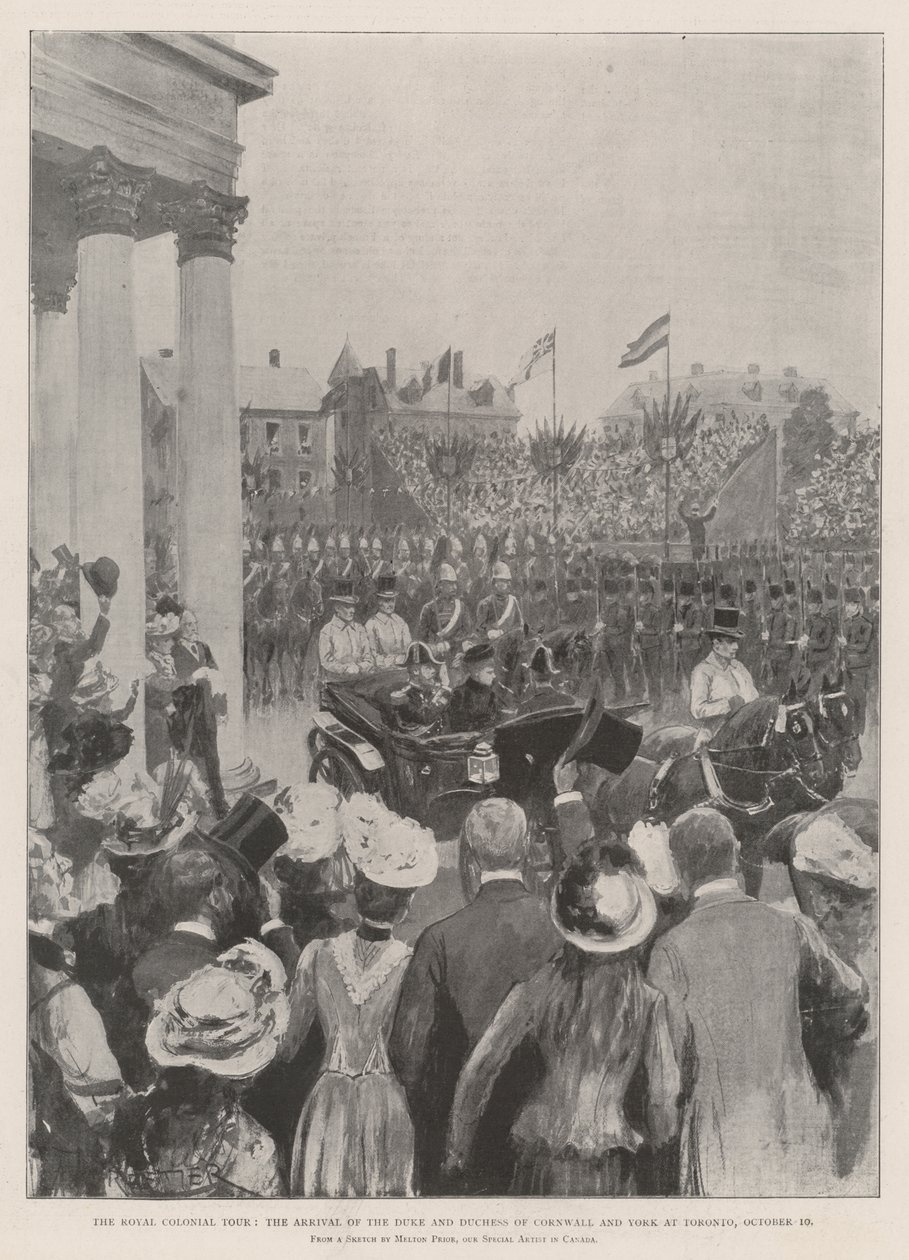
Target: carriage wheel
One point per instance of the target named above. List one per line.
(332, 766)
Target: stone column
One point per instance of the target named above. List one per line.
(52, 426)
(108, 483)
(209, 505)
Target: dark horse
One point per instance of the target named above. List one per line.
(771, 759)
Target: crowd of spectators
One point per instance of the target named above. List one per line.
(840, 501)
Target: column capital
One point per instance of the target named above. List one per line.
(107, 192)
(205, 222)
(53, 274)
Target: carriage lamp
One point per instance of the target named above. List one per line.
(483, 765)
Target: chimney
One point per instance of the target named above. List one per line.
(697, 369)
(754, 369)
(274, 358)
(457, 371)
(391, 368)
(790, 371)
(167, 353)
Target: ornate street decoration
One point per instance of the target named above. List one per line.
(351, 471)
(450, 459)
(554, 452)
(667, 438)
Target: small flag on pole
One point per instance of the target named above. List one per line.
(438, 371)
(654, 338)
(530, 363)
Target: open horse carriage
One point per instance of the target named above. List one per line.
(436, 779)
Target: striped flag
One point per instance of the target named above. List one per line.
(438, 372)
(654, 338)
(530, 363)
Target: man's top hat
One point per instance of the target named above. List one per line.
(726, 623)
(603, 738)
(386, 584)
(419, 654)
(775, 591)
(63, 556)
(102, 576)
(343, 592)
(686, 588)
(252, 828)
(478, 654)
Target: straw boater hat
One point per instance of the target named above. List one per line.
(96, 683)
(228, 1018)
(392, 851)
(599, 909)
(147, 819)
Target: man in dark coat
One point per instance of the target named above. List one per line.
(613, 629)
(461, 970)
(857, 639)
(697, 532)
(195, 664)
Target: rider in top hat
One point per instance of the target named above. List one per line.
(720, 684)
(445, 620)
(388, 633)
(499, 612)
(544, 693)
(479, 702)
(344, 650)
(420, 707)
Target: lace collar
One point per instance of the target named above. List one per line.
(362, 979)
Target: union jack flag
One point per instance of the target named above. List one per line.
(529, 365)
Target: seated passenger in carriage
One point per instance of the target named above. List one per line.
(480, 702)
(387, 632)
(420, 707)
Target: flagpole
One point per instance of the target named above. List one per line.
(555, 492)
(667, 461)
(448, 449)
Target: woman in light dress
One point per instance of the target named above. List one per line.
(354, 1137)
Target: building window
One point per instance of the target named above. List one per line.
(274, 478)
(273, 437)
(303, 479)
(304, 445)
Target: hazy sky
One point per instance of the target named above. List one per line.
(421, 190)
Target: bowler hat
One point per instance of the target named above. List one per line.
(252, 828)
(102, 576)
(726, 623)
(478, 654)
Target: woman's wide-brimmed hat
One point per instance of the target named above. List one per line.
(95, 683)
(309, 812)
(162, 626)
(389, 850)
(599, 909)
(143, 822)
(228, 1018)
(91, 743)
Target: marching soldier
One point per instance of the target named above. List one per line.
(689, 628)
(817, 640)
(727, 596)
(647, 632)
(750, 623)
(445, 621)
(780, 639)
(613, 627)
(858, 644)
(793, 605)
(541, 613)
(388, 633)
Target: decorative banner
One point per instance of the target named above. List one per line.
(552, 450)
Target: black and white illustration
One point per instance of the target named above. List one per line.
(454, 628)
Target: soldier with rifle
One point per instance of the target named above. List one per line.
(688, 630)
(668, 643)
(613, 628)
(647, 630)
(857, 644)
(780, 640)
(817, 639)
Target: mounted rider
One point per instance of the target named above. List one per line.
(445, 620)
(720, 684)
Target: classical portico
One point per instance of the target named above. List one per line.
(135, 135)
